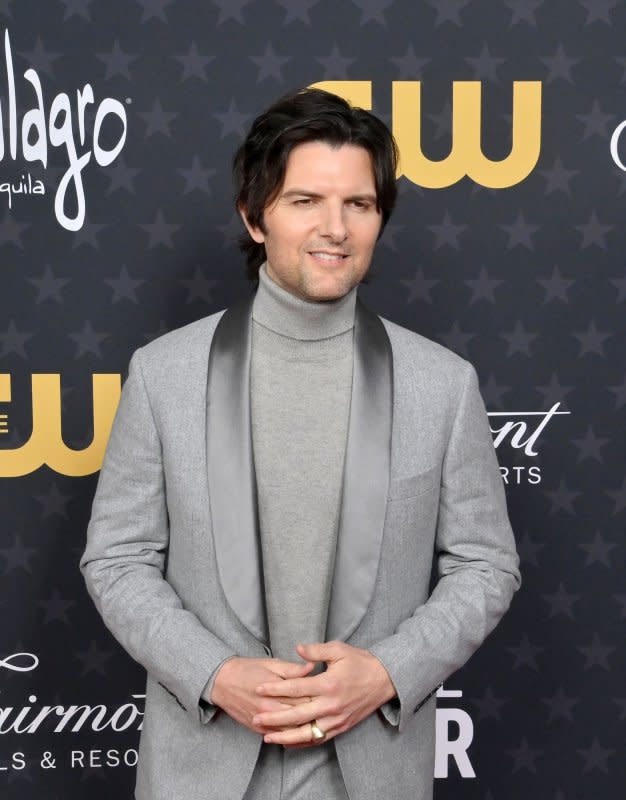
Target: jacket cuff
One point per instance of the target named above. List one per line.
(206, 708)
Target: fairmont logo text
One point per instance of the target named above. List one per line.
(466, 156)
(52, 124)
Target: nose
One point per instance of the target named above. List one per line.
(332, 223)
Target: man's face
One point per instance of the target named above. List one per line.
(322, 227)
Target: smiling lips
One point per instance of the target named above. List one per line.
(322, 255)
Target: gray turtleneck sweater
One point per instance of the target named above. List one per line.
(301, 381)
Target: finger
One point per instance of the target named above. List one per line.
(301, 735)
(288, 669)
(293, 687)
(293, 716)
(320, 651)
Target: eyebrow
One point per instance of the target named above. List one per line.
(307, 193)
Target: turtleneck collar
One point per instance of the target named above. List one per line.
(284, 313)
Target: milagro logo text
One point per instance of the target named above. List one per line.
(39, 129)
(520, 430)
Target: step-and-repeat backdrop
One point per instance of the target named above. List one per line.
(118, 122)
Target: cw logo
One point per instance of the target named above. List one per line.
(466, 156)
(46, 445)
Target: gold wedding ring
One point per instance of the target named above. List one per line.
(317, 734)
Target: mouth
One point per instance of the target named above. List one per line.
(326, 257)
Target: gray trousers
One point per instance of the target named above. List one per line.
(309, 774)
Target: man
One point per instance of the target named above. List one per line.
(277, 481)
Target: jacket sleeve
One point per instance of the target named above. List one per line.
(477, 563)
(123, 563)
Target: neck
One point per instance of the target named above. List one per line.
(285, 313)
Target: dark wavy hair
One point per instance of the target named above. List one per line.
(306, 115)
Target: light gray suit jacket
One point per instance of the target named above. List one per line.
(173, 559)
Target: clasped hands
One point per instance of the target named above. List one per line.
(279, 699)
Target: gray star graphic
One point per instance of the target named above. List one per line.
(598, 550)
(553, 392)
(492, 392)
(562, 498)
(589, 446)
(231, 9)
(388, 239)
(558, 178)
(154, 9)
(199, 287)
(55, 608)
(446, 233)
(419, 287)
(620, 394)
(556, 286)
(518, 340)
(596, 122)
(231, 231)
(485, 65)
(5, 7)
(483, 287)
(93, 659)
(442, 121)
(524, 757)
(560, 705)
(232, 121)
(523, 11)
(53, 502)
(117, 62)
(77, 8)
(161, 330)
(620, 285)
(270, 64)
(619, 496)
(157, 120)
(124, 287)
(11, 231)
(373, 10)
(40, 59)
(335, 65)
(561, 602)
(409, 65)
(598, 10)
(17, 556)
(559, 65)
(456, 339)
(448, 11)
(594, 232)
(592, 340)
(297, 10)
(520, 232)
(13, 341)
(194, 64)
(88, 340)
(596, 654)
(489, 705)
(88, 233)
(121, 176)
(528, 549)
(596, 757)
(160, 231)
(48, 287)
(197, 177)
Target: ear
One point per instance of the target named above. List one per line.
(256, 233)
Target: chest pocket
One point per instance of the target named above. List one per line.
(414, 485)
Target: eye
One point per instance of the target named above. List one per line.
(304, 201)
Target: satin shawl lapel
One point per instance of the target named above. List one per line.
(366, 476)
(232, 483)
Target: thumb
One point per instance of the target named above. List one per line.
(318, 651)
(287, 669)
